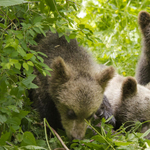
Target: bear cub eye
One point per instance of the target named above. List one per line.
(71, 114)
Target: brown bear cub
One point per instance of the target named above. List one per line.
(129, 99)
(75, 89)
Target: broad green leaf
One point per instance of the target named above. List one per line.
(32, 86)
(25, 65)
(94, 146)
(2, 25)
(19, 137)
(120, 143)
(145, 133)
(24, 45)
(72, 36)
(28, 82)
(42, 54)
(18, 66)
(30, 63)
(99, 138)
(37, 19)
(44, 73)
(67, 38)
(28, 139)
(4, 138)
(30, 147)
(37, 30)
(11, 2)
(13, 108)
(21, 114)
(3, 118)
(28, 56)
(40, 58)
(47, 72)
(13, 61)
(21, 51)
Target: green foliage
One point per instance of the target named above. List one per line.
(108, 28)
(106, 138)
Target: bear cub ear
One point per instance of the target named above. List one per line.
(61, 71)
(143, 19)
(104, 76)
(129, 87)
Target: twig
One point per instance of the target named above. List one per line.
(8, 143)
(55, 134)
(59, 138)
(9, 19)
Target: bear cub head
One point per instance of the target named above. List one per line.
(77, 95)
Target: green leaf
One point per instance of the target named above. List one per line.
(94, 146)
(30, 147)
(145, 133)
(14, 121)
(28, 139)
(119, 143)
(11, 2)
(67, 38)
(2, 25)
(51, 4)
(47, 72)
(37, 19)
(21, 114)
(32, 33)
(37, 30)
(82, 26)
(3, 118)
(4, 138)
(99, 138)
(42, 31)
(13, 108)
(30, 63)
(18, 66)
(42, 54)
(24, 45)
(28, 56)
(21, 51)
(28, 81)
(40, 58)
(52, 29)
(19, 137)
(32, 86)
(41, 143)
(72, 36)
(25, 65)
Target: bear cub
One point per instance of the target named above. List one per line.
(130, 99)
(75, 89)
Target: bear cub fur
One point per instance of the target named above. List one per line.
(75, 89)
(130, 99)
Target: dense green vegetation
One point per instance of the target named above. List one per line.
(108, 28)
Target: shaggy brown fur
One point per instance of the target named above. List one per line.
(75, 89)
